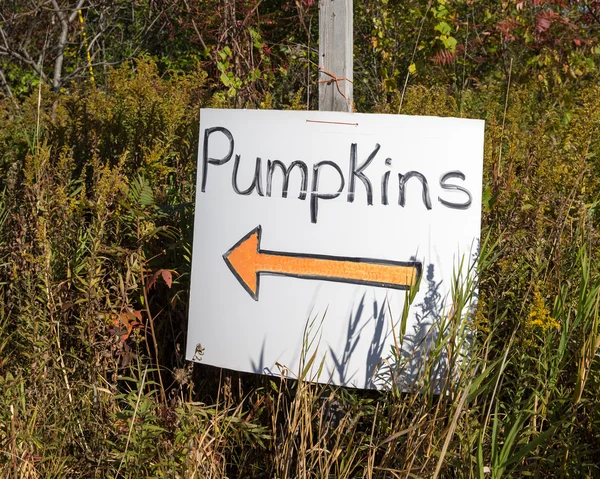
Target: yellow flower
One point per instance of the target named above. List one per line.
(539, 315)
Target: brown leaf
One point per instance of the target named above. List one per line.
(543, 23)
(153, 280)
(167, 277)
(125, 322)
(444, 57)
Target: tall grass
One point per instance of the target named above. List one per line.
(95, 239)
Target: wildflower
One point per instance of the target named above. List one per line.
(539, 315)
(480, 320)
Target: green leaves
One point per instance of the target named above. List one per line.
(140, 191)
(448, 41)
(443, 28)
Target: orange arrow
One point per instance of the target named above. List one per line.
(246, 261)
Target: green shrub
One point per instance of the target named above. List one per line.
(96, 208)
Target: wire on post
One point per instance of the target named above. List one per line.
(337, 84)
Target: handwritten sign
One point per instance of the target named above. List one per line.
(316, 225)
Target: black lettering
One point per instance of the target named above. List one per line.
(286, 177)
(385, 181)
(256, 182)
(214, 161)
(315, 196)
(403, 179)
(358, 173)
(450, 187)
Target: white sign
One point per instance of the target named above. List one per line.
(313, 225)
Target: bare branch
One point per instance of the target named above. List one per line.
(62, 40)
(4, 38)
(25, 58)
(195, 26)
(60, 48)
(20, 39)
(75, 10)
(83, 68)
(592, 13)
(8, 91)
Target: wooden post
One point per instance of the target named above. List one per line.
(335, 55)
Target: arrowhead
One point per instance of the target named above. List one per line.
(241, 260)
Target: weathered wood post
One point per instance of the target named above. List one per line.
(335, 55)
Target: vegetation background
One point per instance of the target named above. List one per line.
(98, 135)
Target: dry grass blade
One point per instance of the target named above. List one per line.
(137, 404)
(451, 430)
(402, 433)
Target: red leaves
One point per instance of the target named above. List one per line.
(126, 322)
(166, 276)
(444, 57)
(545, 19)
(507, 27)
(542, 23)
(550, 3)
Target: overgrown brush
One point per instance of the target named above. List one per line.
(96, 209)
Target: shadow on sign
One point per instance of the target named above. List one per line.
(405, 367)
(417, 347)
